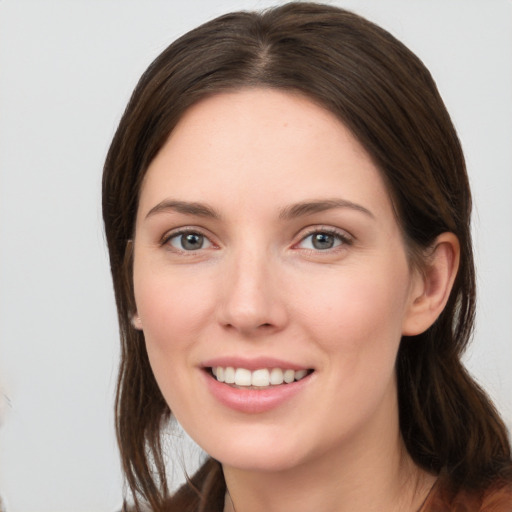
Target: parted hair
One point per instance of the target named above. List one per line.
(385, 95)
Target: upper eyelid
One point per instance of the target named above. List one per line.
(184, 230)
(345, 238)
(298, 237)
(310, 230)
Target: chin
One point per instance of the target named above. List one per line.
(258, 461)
(257, 453)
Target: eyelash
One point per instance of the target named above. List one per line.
(340, 236)
(166, 239)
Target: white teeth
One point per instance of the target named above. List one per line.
(243, 377)
(259, 378)
(289, 376)
(229, 375)
(299, 374)
(276, 376)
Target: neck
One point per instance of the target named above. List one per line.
(402, 489)
(373, 472)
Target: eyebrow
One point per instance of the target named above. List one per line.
(188, 208)
(311, 207)
(289, 212)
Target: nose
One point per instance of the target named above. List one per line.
(252, 301)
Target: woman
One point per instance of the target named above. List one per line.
(288, 219)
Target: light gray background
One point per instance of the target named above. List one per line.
(66, 71)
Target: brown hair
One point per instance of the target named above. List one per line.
(384, 94)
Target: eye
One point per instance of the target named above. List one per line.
(323, 240)
(189, 241)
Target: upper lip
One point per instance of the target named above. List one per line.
(253, 364)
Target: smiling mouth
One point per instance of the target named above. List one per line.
(263, 378)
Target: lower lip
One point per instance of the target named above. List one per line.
(254, 401)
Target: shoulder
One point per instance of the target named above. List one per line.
(495, 498)
(203, 492)
(498, 499)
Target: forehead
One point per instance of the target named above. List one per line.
(261, 143)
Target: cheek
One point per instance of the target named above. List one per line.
(173, 309)
(173, 313)
(356, 311)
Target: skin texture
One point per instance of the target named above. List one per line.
(258, 287)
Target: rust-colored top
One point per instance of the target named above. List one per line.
(497, 498)
(209, 479)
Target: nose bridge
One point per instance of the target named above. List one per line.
(250, 297)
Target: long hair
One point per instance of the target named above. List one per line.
(384, 94)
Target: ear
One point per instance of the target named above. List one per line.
(136, 322)
(432, 286)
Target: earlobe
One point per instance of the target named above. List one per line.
(431, 293)
(136, 322)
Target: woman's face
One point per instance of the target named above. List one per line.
(266, 250)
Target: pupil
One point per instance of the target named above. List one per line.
(192, 241)
(323, 241)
